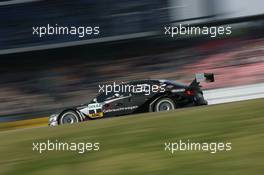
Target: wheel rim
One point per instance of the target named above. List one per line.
(165, 105)
(69, 118)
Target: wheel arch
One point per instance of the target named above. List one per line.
(79, 114)
(155, 99)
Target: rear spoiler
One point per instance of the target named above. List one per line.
(202, 77)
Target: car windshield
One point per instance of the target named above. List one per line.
(174, 83)
(103, 97)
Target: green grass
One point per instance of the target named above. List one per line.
(135, 144)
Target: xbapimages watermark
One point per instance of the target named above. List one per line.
(212, 147)
(80, 147)
(79, 31)
(131, 88)
(212, 31)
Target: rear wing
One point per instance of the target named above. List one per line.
(202, 77)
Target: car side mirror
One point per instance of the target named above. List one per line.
(117, 95)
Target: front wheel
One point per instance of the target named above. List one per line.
(69, 117)
(164, 104)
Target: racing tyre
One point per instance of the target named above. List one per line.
(164, 104)
(69, 117)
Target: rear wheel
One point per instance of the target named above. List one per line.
(164, 104)
(69, 117)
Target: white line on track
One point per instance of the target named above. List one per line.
(232, 94)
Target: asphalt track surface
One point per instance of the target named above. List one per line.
(214, 96)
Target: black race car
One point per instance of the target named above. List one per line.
(136, 97)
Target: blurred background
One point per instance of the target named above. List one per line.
(40, 75)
